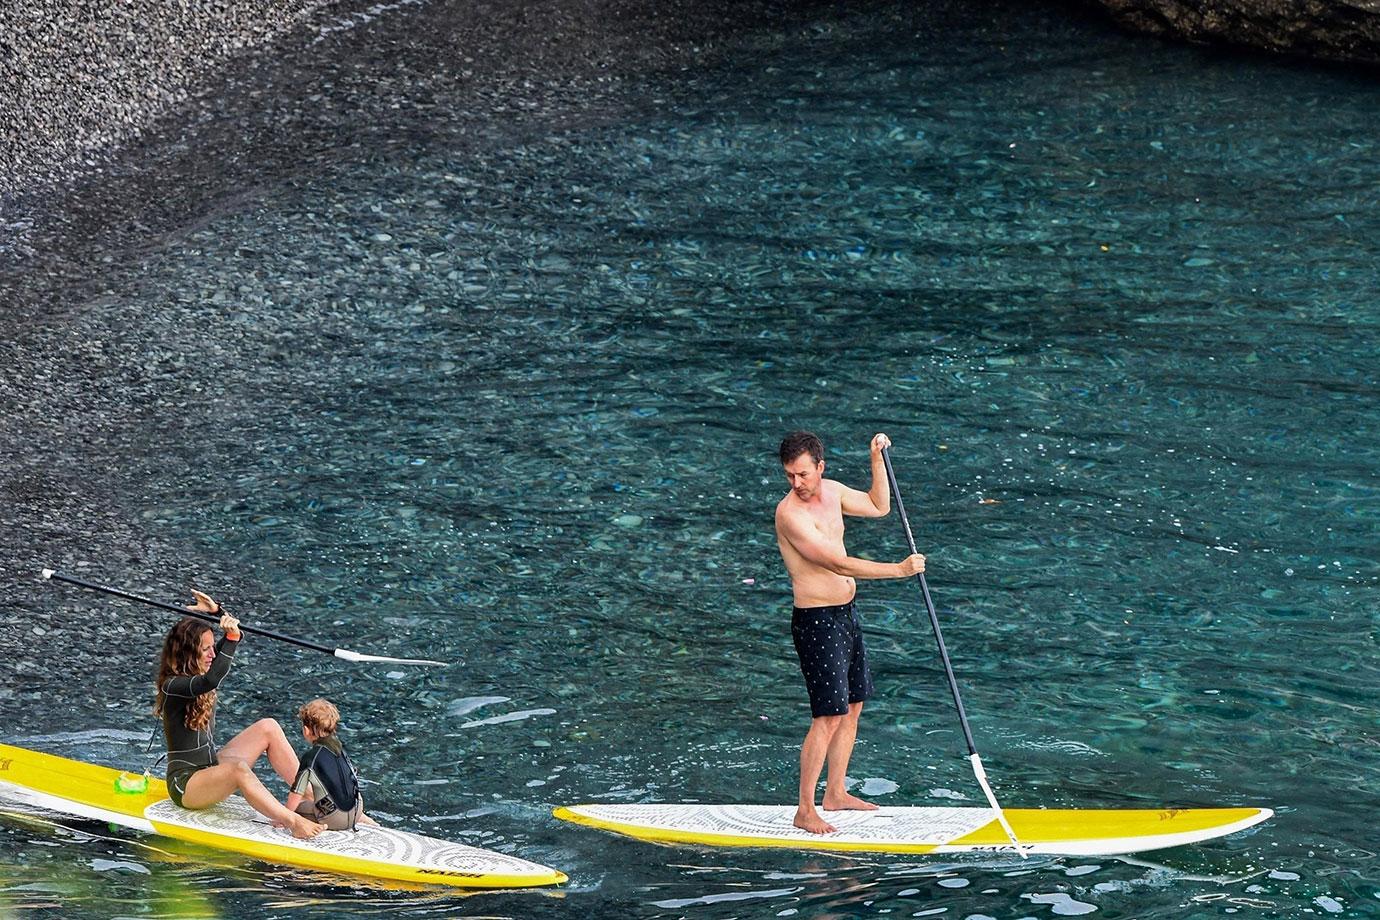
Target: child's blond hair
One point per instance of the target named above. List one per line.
(320, 716)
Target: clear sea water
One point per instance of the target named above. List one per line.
(498, 378)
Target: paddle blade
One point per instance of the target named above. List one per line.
(359, 656)
(981, 775)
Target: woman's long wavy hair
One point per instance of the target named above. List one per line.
(181, 658)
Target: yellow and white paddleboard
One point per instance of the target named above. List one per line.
(1054, 831)
(90, 791)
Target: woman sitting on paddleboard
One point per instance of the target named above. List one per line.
(189, 671)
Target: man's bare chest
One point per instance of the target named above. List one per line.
(828, 522)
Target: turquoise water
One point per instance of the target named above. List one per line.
(509, 395)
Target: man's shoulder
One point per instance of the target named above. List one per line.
(832, 490)
(790, 509)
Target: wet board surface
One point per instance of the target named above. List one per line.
(1069, 832)
(88, 790)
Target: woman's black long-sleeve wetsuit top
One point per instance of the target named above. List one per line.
(190, 749)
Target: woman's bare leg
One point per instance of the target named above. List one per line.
(215, 784)
(264, 737)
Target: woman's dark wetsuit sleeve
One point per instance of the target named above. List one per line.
(202, 683)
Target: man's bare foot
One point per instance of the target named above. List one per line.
(846, 802)
(365, 819)
(811, 821)
(303, 829)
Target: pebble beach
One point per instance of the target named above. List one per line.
(84, 76)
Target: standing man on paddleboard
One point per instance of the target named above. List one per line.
(824, 624)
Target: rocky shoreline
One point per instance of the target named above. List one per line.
(1345, 31)
(85, 76)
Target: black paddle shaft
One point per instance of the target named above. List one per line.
(929, 605)
(212, 618)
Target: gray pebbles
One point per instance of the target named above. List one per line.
(80, 77)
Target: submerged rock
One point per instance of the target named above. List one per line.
(1339, 30)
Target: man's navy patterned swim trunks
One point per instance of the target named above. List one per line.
(830, 645)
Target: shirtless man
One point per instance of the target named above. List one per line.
(824, 624)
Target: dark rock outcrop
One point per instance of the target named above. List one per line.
(1331, 30)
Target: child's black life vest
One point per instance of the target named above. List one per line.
(338, 775)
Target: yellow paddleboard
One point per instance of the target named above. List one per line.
(1054, 831)
(90, 791)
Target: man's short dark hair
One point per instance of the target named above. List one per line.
(801, 442)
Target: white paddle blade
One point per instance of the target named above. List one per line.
(359, 656)
(981, 775)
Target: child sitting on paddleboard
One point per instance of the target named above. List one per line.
(326, 788)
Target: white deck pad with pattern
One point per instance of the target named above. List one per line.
(235, 819)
